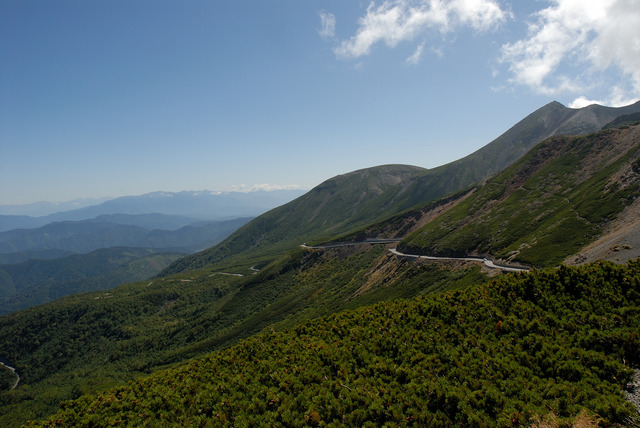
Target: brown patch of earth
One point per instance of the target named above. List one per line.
(619, 243)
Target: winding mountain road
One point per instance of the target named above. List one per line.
(14, 372)
(487, 262)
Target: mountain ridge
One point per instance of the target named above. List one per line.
(560, 195)
(422, 186)
(549, 120)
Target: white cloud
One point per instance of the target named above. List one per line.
(572, 44)
(618, 97)
(265, 187)
(583, 101)
(327, 25)
(415, 57)
(395, 21)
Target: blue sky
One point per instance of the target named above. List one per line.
(123, 97)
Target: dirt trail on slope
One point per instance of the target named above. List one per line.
(619, 243)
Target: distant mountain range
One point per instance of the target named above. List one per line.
(39, 265)
(200, 205)
(43, 208)
(39, 255)
(89, 235)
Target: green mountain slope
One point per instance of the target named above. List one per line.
(89, 342)
(548, 205)
(505, 354)
(35, 282)
(334, 207)
(624, 120)
(353, 200)
(551, 120)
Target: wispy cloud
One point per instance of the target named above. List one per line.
(575, 47)
(327, 25)
(395, 21)
(415, 57)
(594, 35)
(266, 187)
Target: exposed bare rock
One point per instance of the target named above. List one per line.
(619, 243)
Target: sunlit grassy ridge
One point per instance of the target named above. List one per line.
(357, 199)
(491, 355)
(334, 207)
(547, 206)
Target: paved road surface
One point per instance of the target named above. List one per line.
(487, 262)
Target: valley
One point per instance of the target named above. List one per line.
(418, 297)
(120, 240)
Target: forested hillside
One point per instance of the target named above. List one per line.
(90, 342)
(547, 345)
(34, 282)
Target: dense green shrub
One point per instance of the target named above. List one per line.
(500, 354)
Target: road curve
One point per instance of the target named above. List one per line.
(487, 262)
(14, 372)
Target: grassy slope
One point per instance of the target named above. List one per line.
(546, 206)
(351, 201)
(89, 342)
(334, 207)
(493, 355)
(549, 120)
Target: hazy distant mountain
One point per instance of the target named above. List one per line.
(88, 235)
(43, 208)
(146, 221)
(200, 205)
(21, 256)
(197, 204)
